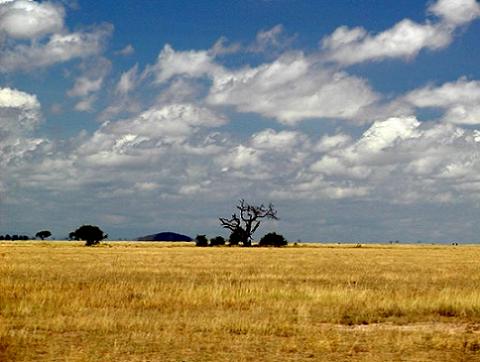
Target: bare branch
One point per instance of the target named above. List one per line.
(249, 219)
(231, 224)
(255, 227)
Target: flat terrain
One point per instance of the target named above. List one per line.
(158, 302)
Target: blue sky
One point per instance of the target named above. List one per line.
(358, 120)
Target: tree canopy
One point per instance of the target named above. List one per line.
(273, 239)
(90, 233)
(43, 234)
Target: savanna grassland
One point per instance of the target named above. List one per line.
(158, 302)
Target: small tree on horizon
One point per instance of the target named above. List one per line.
(90, 233)
(244, 225)
(43, 234)
(201, 240)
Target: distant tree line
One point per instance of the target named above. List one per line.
(270, 239)
(15, 237)
(92, 235)
(41, 235)
(242, 226)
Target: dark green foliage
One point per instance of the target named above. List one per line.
(237, 237)
(217, 241)
(8, 237)
(273, 239)
(91, 234)
(201, 240)
(43, 234)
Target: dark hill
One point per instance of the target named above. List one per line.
(167, 236)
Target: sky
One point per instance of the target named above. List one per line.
(359, 120)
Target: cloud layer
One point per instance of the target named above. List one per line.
(19, 116)
(262, 120)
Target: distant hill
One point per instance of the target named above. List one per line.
(167, 236)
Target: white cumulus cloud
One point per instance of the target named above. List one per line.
(402, 159)
(144, 136)
(26, 19)
(12, 98)
(456, 12)
(349, 46)
(405, 39)
(291, 89)
(460, 100)
(58, 48)
(187, 63)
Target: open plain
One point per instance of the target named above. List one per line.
(61, 301)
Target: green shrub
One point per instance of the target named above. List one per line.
(217, 241)
(201, 240)
(273, 239)
(236, 237)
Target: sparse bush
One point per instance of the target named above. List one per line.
(201, 240)
(217, 241)
(273, 239)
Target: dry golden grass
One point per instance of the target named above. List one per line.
(158, 302)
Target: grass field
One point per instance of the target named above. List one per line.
(158, 302)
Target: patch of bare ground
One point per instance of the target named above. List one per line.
(449, 328)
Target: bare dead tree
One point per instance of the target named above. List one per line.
(248, 220)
